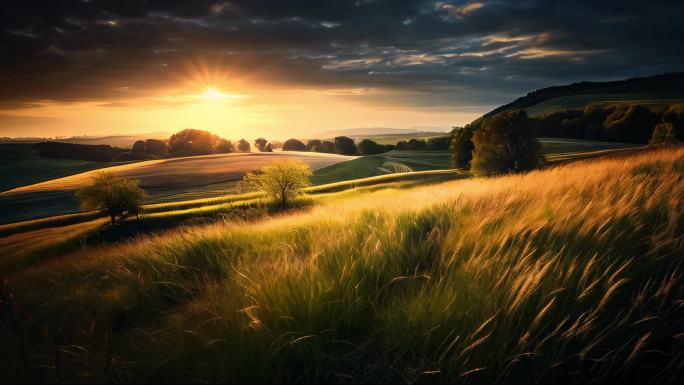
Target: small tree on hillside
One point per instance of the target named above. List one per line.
(461, 146)
(243, 146)
(281, 180)
(116, 196)
(505, 143)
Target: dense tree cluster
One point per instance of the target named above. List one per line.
(616, 123)
(94, 153)
(440, 143)
(505, 143)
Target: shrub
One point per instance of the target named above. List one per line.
(461, 146)
(293, 145)
(505, 143)
(116, 196)
(281, 180)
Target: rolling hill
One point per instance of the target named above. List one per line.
(571, 273)
(653, 90)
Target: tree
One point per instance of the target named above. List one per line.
(631, 124)
(156, 147)
(461, 146)
(369, 147)
(138, 146)
(114, 195)
(193, 142)
(439, 143)
(675, 115)
(505, 143)
(416, 145)
(260, 144)
(663, 133)
(268, 147)
(345, 145)
(243, 146)
(281, 180)
(312, 145)
(326, 146)
(401, 145)
(293, 145)
(224, 146)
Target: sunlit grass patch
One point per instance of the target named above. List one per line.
(571, 273)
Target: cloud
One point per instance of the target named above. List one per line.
(443, 52)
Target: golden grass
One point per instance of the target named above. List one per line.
(563, 274)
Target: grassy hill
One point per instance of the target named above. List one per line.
(192, 178)
(20, 165)
(655, 90)
(571, 273)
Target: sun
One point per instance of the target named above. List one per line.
(212, 93)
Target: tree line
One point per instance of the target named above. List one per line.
(506, 142)
(613, 123)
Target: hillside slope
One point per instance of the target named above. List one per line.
(571, 274)
(666, 86)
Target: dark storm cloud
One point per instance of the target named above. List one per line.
(429, 52)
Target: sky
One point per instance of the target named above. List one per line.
(276, 68)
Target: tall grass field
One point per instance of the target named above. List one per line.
(569, 275)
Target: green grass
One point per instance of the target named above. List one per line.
(389, 162)
(567, 275)
(403, 161)
(20, 165)
(45, 203)
(654, 100)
